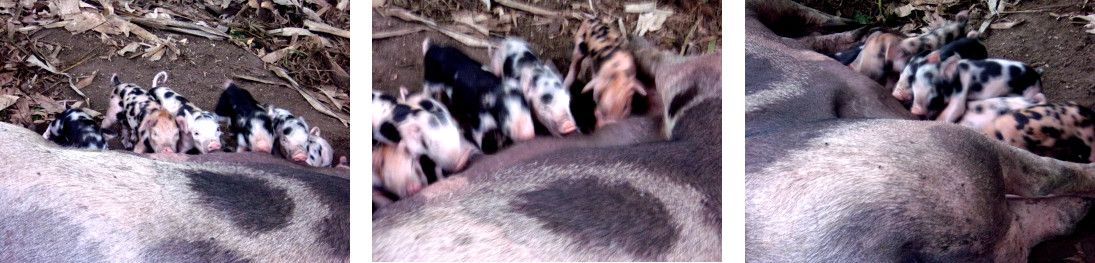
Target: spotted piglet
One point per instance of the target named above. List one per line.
(423, 127)
(600, 45)
(967, 48)
(146, 124)
(203, 128)
(1061, 130)
(541, 85)
(250, 123)
(74, 128)
(320, 153)
(982, 112)
(290, 134)
(884, 55)
(491, 115)
(396, 169)
(383, 106)
(947, 86)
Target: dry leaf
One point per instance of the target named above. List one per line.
(132, 47)
(87, 81)
(903, 11)
(49, 106)
(274, 57)
(1005, 25)
(7, 100)
(92, 113)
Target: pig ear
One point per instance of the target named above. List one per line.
(551, 66)
(949, 67)
(638, 88)
(402, 93)
(181, 121)
(593, 83)
(526, 80)
(932, 57)
(315, 131)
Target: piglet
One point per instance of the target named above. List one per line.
(540, 84)
(1061, 130)
(599, 44)
(250, 123)
(982, 112)
(475, 96)
(425, 127)
(948, 85)
(396, 169)
(290, 132)
(968, 48)
(74, 128)
(320, 153)
(203, 128)
(147, 125)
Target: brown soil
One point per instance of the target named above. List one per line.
(199, 74)
(1063, 49)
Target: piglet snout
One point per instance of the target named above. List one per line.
(299, 157)
(214, 146)
(413, 188)
(567, 127)
(261, 148)
(168, 150)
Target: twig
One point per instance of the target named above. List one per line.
(684, 45)
(1023, 11)
(256, 79)
(325, 28)
(528, 8)
(396, 33)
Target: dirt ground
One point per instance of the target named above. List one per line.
(397, 61)
(199, 74)
(1060, 47)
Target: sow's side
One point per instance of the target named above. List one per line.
(66, 205)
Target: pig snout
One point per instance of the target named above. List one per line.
(261, 148)
(167, 150)
(917, 109)
(567, 127)
(213, 146)
(413, 188)
(299, 157)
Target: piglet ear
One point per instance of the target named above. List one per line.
(526, 80)
(932, 57)
(638, 88)
(181, 121)
(315, 131)
(949, 67)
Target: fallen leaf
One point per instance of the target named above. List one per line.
(87, 81)
(7, 100)
(132, 47)
(1005, 25)
(274, 57)
(90, 112)
(903, 11)
(49, 106)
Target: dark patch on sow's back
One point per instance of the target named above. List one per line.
(177, 250)
(332, 191)
(251, 203)
(597, 214)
